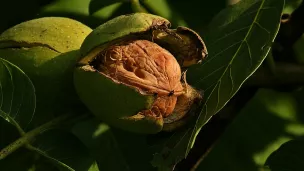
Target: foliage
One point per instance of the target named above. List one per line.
(239, 38)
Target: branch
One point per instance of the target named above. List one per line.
(284, 74)
(27, 137)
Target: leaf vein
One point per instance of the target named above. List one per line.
(232, 59)
(229, 34)
(218, 95)
(222, 51)
(231, 78)
(249, 53)
(213, 72)
(13, 87)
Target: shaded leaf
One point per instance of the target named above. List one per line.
(115, 149)
(22, 160)
(138, 7)
(298, 49)
(164, 9)
(267, 121)
(197, 14)
(239, 40)
(80, 10)
(8, 133)
(71, 6)
(96, 5)
(102, 144)
(17, 96)
(20, 13)
(289, 157)
(166, 159)
(65, 150)
(137, 149)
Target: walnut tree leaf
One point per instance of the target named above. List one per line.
(238, 41)
(288, 157)
(17, 96)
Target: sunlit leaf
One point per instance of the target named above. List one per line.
(288, 157)
(17, 96)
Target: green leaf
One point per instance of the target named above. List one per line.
(65, 150)
(92, 13)
(96, 5)
(267, 121)
(17, 96)
(239, 40)
(62, 7)
(164, 9)
(115, 149)
(8, 133)
(100, 140)
(166, 159)
(22, 160)
(20, 13)
(17, 106)
(289, 157)
(291, 5)
(137, 6)
(196, 14)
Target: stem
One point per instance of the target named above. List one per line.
(286, 74)
(30, 135)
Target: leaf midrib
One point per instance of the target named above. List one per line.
(236, 53)
(219, 80)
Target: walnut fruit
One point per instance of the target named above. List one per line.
(129, 76)
(47, 49)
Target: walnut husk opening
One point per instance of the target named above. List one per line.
(147, 67)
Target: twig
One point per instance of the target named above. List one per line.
(284, 74)
(27, 137)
